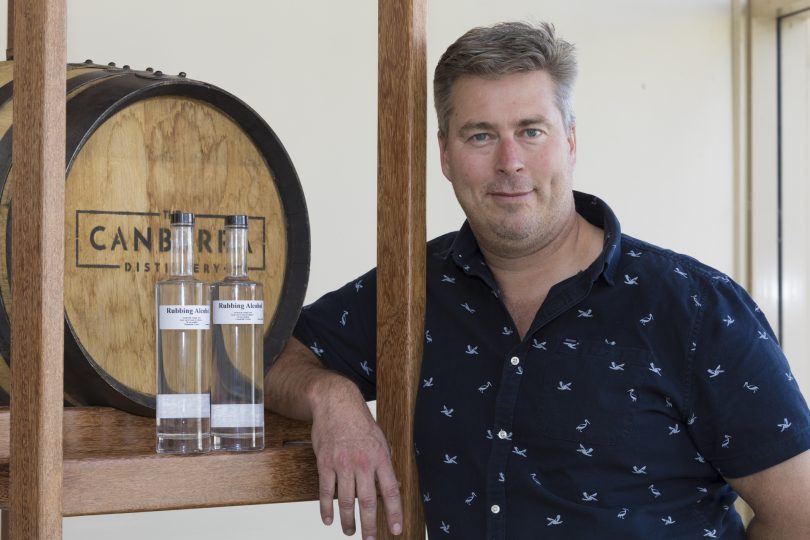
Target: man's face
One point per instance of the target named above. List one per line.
(510, 160)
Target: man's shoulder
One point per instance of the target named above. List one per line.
(638, 253)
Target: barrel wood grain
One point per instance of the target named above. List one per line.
(401, 240)
(110, 466)
(156, 155)
(37, 267)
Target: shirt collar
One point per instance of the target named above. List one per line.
(598, 213)
(465, 250)
(464, 246)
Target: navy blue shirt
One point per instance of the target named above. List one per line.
(642, 382)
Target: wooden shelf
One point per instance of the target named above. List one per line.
(110, 466)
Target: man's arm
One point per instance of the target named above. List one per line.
(779, 496)
(350, 448)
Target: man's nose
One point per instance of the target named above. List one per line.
(510, 158)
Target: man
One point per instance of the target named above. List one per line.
(576, 382)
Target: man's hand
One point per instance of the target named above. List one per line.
(352, 452)
(350, 448)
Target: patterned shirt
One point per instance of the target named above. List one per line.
(642, 382)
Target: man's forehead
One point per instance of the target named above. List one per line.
(498, 77)
(517, 99)
(533, 85)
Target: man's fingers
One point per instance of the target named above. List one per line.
(326, 490)
(367, 501)
(346, 491)
(389, 492)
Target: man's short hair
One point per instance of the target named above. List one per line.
(502, 49)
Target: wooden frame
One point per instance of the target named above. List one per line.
(38, 267)
(34, 459)
(401, 240)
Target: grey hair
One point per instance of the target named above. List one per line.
(502, 49)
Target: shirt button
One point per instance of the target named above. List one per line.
(501, 434)
(515, 360)
(495, 508)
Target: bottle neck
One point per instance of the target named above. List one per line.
(182, 250)
(236, 248)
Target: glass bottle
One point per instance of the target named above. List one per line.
(237, 393)
(183, 349)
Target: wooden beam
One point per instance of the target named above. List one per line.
(401, 241)
(37, 320)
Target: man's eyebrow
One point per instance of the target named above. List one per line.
(476, 126)
(534, 121)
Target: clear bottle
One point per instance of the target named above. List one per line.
(183, 349)
(237, 392)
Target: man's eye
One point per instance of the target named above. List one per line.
(480, 137)
(533, 132)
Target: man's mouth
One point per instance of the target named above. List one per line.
(511, 194)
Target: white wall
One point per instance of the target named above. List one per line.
(654, 132)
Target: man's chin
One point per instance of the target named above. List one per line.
(511, 235)
(513, 232)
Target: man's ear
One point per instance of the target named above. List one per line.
(442, 140)
(572, 145)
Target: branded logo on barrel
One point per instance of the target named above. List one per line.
(141, 241)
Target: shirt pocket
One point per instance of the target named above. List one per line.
(590, 392)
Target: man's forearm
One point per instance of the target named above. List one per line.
(761, 530)
(296, 382)
(353, 456)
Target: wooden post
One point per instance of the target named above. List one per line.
(401, 241)
(37, 318)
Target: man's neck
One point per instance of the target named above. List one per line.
(525, 281)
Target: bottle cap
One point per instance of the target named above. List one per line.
(236, 221)
(181, 218)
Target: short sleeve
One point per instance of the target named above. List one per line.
(748, 412)
(340, 328)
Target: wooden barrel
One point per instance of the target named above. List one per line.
(140, 144)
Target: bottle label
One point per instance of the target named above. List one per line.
(238, 312)
(183, 405)
(192, 317)
(237, 416)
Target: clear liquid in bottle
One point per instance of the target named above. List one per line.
(183, 349)
(237, 391)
